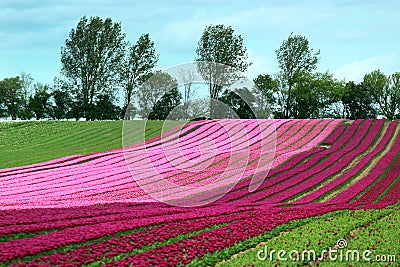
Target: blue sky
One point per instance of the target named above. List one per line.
(354, 36)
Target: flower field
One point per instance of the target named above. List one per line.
(285, 184)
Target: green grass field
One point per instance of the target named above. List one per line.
(28, 142)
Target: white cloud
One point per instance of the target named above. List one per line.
(355, 71)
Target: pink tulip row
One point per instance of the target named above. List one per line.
(121, 187)
(307, 142)
(104, 175)
(240, 226)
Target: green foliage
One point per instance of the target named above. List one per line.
(240, 101)
(295, 57)
(165, 105)
(92, 60)
(153, 90)
(265, 95)
(315, 94)
(141, 61)
(105, 109)
(39, 103)
(27, 80)
(11, 97)
(221, 58)
(385, 92)
(357, 102)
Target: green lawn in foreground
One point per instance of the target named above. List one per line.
(28, 142)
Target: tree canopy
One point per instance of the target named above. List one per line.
(221, 57)
(92, 60)
(103, 77)
(295, 58)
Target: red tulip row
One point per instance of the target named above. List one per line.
(333, 164)
(335, 135)
(78, 234)
(360, 165)
(376, 173)
(96, 251)
(312, 166)
(183, 252)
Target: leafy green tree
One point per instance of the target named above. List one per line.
(92, 60)
(27, 81)
(39, 103)
(295, 57)
(151, 91)
(62, 104)
(165, 105)
(11, 97)
(395, 90)
(187, 78)
(141, 61)
(240, 101)
(219, 44)
(105, 109)
(357, 102)
(76, 111)
(315, 95)
(385, 92)
(265, 95)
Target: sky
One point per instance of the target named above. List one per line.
(354, 36)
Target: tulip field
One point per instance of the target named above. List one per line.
(240, 186)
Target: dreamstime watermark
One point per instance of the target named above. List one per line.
(197, 163)
(340, 254)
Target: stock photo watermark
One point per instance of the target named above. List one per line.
(341, 254)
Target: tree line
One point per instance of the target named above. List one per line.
(99, 66)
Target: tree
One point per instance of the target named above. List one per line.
(221, 58)
(152, 90)
(315, 95)
(62, 100)
(239, 101)
(105, 109)
(357, 102)
(395, 90)
(62, 104)
(11, 97)
(385, 92)
(27, 81)
(39, 103)
(165, 105)
(92, 60)
(264, 93)
(294, 57)
(141, 61)
(186, 76)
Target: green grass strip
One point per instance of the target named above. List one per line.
(318, 234)
(21, 235)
